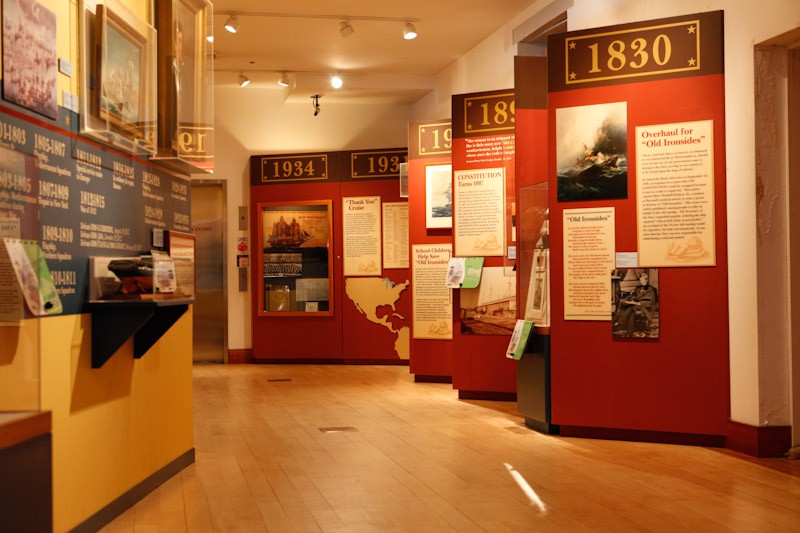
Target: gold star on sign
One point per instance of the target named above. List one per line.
(572, 75)
(692, 62)
(469, 104)
(691, 29)
(572, 45)
(422, 130)
(422, 150)
(469, 127)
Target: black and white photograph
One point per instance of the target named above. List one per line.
(29, 56)
(592, 152)
(635, 305)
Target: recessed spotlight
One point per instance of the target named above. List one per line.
(336, 82)
(244, 81)
(232, 24)
(284, 80)
(210, 38)
(409, 31)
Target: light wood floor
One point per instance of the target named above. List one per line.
(421, 460)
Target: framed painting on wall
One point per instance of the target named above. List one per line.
(121, 70)
(295, 270)
(29, 57)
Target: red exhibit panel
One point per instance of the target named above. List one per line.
(377, 309)
(364, 320)
(658, 364)
(297, 337)
(430, 144)
(483, 142)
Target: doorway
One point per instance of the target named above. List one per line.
(210, 306)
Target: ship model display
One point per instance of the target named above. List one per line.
(288, 235)
(136, 275)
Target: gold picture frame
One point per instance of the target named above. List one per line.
(121, 72)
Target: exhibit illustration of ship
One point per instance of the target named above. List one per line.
(288, 235)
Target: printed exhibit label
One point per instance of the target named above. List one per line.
(675, 194)
(588, 262)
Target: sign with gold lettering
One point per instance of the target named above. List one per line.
(429, 139)
(484, 113)
(377, 164)
(674, 47)
(281, 168)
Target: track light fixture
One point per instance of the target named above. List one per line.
(284, 80)
(345, 28)
(244, 81)
(315, 103)
(232, 24)
(336, 81)
(409, 31)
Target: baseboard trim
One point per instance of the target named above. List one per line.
(487, 395)
(240, 357)
(429, 378)
(111, 511)
(759, 441)
(637, 435)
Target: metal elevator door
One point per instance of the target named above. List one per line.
(210, 306)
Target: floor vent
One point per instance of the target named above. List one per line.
(340, 429)
(518, 429)
(279, 380)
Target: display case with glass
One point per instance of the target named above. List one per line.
(295, 245)
(534, 254)
(186, 85)
(118, 77)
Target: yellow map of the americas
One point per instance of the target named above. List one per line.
(370, 294)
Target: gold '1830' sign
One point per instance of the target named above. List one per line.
(644, 51)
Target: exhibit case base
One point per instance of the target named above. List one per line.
(533, 384)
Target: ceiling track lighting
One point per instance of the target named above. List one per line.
(409, 31)
(244, 81)
(336, 81)
(315, 103)
(345, 28)
(232, 24)
(284, 80)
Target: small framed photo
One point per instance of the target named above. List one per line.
(439, 196)
(30, 67)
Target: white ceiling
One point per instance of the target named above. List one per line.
(376, 63)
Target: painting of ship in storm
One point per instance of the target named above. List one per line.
(592, 152)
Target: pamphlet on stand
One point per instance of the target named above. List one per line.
(464, 272)
(519, 339)
(33, 276)
(163, 273)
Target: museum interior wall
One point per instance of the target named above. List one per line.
(120, 419)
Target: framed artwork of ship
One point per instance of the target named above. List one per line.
(295, 271)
